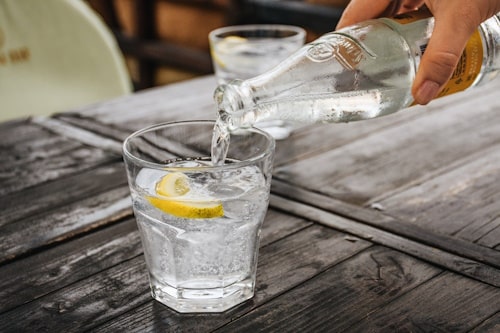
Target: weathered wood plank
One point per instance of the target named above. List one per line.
(27, 235)
(54, 211)
(80, 135)
(456, 263)
(69, 262)
(400, 155)
(463, 203)
(490, 237)
(151, 106)
(308, 141)
(35, 276)
(384, 222)
(490, 325)
(278, 225)
(304, 142)
(433, 308)
(48, 196)
(283, 265)
(18, 132)
(84, 303)
(341, 296)
(32, 155)
(295, 255)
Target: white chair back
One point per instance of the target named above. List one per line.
(56, 55)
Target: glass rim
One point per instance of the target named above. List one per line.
(300, 33)
(238, 164)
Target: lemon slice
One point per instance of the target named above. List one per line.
(234, 39)
(189, 209)
(173, 184)
(176, 185)
(224, 47)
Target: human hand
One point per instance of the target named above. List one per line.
(455, 22)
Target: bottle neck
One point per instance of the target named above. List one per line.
(235, 104)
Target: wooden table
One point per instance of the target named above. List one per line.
(387, 225)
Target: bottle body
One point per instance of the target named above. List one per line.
(360, 72)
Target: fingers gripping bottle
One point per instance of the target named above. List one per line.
(359, 72)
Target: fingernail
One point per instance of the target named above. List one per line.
(427, 91)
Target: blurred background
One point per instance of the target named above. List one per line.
(166, 41)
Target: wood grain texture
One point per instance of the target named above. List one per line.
(490, 325)
(283, 265)
(380, 219)
(432, 308)
(378, 226)
(53, 212)
(183, 101)
(455, 262)
(83, 136)
(85, 303)
(399, 156)
(278, 224)
(33, 155)
(67, 271)
(462, 203)
(40, 198)
(45, 272)
(341, 296)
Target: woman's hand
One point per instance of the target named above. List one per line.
(455, 22)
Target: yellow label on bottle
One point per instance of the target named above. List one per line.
(468, 66)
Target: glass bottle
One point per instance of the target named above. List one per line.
(359, 72)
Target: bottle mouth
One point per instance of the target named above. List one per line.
(232, 108)
(227, 97)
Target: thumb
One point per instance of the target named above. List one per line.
(440, 58)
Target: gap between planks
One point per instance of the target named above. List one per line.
(461, 264)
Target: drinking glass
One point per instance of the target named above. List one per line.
(199, 223)
(244, 51)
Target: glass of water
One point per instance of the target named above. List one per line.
(199, 223)
(245, 51)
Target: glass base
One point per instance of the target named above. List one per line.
(190, 300)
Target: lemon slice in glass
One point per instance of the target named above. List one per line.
(173, 184)
(176, 185)
(189, 209)
(224, 47)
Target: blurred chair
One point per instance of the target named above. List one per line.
(56, 55)
(172, 35)
(164, 34)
